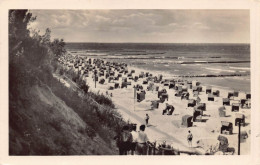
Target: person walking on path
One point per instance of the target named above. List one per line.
(147, 119)
(124, 140)
(134, 135)
(142, 141)
(189, 138)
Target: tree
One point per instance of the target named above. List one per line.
(58, 48)
(18, 31)
(46, 38)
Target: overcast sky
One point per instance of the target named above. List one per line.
(158, 26)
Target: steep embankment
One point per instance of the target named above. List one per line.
(42, 124)
(47, 118)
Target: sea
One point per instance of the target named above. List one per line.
(224, 66)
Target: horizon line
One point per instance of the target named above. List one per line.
(158, 42)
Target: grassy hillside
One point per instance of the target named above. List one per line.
(45, 117)
(55, 120)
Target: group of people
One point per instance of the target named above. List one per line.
(107, 94)
(131, 141)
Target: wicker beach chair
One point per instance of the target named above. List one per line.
(222, 111)
(187, 121)
(227, 127)
(240, 118)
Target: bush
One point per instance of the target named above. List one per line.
(61, 71)
(97, 117)
(101, 99)
(82, 85)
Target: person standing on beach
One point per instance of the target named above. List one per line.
(189, 138)
(142, 141)
(147, 119)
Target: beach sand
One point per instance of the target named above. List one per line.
(168, 127)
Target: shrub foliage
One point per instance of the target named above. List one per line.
(32, 61)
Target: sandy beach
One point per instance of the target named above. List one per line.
(168, 127)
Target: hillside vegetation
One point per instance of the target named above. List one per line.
(46, 117)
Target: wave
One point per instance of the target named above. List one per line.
(139, 63)
(156, 57)
(214, 75)
(200, 61)
(125, 50)
(220, 70)
(214, 62)
(120, 53)
(200, 57)
(240, 68)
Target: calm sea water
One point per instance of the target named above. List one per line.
(179, 59)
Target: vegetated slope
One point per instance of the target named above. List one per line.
(42, 124)
(45, 117)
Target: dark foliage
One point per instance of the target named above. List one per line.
(32, 60)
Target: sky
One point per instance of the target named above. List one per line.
(146, 26)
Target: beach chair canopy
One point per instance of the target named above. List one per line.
(185, 93)
(226, 100)
(163, 91)
(200, 106)
(222, 108)
(235, 104)
(184, 87)
(110, 87)
(191, 101)
(243, 101)
(231, 93)
(186, 119)
(197, 111)
(239, 115)
(243, 134)
(155, 103)
(141, 92)
(210, 95)
(225, 123)
(236, 93)
(223, 140)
